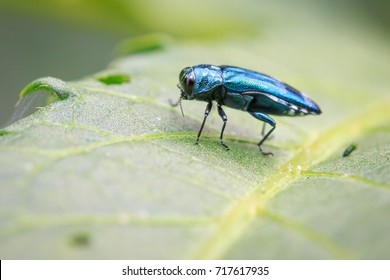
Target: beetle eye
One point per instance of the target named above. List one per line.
(187, 80)
(190, 81)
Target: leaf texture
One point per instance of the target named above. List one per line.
(110, 170)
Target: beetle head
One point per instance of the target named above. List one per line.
(186, 83)
(186, 86)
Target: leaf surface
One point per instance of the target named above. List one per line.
(110, 170)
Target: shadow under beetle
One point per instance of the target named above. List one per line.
(242, 89)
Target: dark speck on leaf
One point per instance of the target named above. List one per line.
(80, 239)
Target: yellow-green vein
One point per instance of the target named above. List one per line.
(234, 223)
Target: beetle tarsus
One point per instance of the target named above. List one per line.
(265, 153)
(262, 141)
(226, 147)
(222, 114)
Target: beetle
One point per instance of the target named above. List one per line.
(242, 89)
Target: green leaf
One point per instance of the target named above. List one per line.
(110, 169)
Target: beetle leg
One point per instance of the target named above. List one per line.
(224, 118)
(206, 113)
(263, 130)
(266, 119)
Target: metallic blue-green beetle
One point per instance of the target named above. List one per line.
(243, 89)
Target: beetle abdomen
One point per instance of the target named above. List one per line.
(270, 104)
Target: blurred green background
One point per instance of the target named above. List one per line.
(71, 39)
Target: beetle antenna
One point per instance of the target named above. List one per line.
(174, 104)
(178, 102)
(181, 107)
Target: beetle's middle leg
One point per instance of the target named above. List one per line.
(263, 130)
(222, 114)
(266, 119)
(206, 113)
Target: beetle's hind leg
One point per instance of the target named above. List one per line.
(222, 114)
(266, 119)
(206, 113)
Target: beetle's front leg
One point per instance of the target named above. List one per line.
(206, 113)
(224, 118)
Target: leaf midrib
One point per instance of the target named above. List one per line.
(233, 224)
